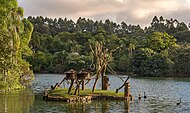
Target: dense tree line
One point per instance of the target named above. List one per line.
(15, 34)
(61, 44)
(57, 45)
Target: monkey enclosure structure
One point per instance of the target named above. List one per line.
(78, 78)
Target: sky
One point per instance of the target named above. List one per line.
(137, 12)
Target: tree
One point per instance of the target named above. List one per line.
(15, 35)
(156, 65)
(139, 56)
(52, 36)
(180, 55)
(158, 41)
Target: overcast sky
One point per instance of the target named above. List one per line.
(130, 11)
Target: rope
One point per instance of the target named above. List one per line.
(92, 77)
(114, 73)
(92, 66)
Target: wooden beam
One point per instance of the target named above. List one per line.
(122, 85)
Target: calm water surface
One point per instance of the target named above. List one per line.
(162, 96)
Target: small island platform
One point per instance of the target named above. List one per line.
(84, 96)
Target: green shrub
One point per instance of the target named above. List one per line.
(3, 85)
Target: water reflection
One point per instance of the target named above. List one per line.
(162, 96)
(104, 106)
(96, 106)
(16, 102)
(127, 106)
(77, 107)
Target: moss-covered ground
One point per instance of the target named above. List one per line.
(88, 92)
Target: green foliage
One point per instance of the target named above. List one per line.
(183, 36)
(61, 44)
(181, 57)
(15, 34)
(157, 65)
(140, 56)
(146, 62)
(3, 85)
(164, 25)
(154, 60)
(158, 41)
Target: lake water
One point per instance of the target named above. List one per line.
(162, 96)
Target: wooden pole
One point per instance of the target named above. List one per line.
(77, 87)
(72, 82)
(94, 86)
(62, 81)
(127, 90)
(83, 85)
(105, 83)
(122, 85)
(103, 70)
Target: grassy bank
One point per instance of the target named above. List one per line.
(88, 92)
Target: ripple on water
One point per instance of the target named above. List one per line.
(162, 96)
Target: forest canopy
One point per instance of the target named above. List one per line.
(161, 49)
(47, 45)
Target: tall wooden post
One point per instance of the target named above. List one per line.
(103, 74)
(71, 86)
(105, 84)
(83, 85)
(77, 87)
(127, 90)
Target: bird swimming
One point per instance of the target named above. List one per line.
(139, 97)
(145, 95)
(179, 102)
(131, 97)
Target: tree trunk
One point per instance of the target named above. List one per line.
(106, 84)
(103, 74)
(94, 86)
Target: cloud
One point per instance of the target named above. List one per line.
(131, 11)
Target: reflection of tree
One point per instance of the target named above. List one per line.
(77, 107)
(16, 102)
(105, 107)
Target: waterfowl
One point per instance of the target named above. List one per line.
(139, 97)
(145, 95)
(131, 97)
(179, 102)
